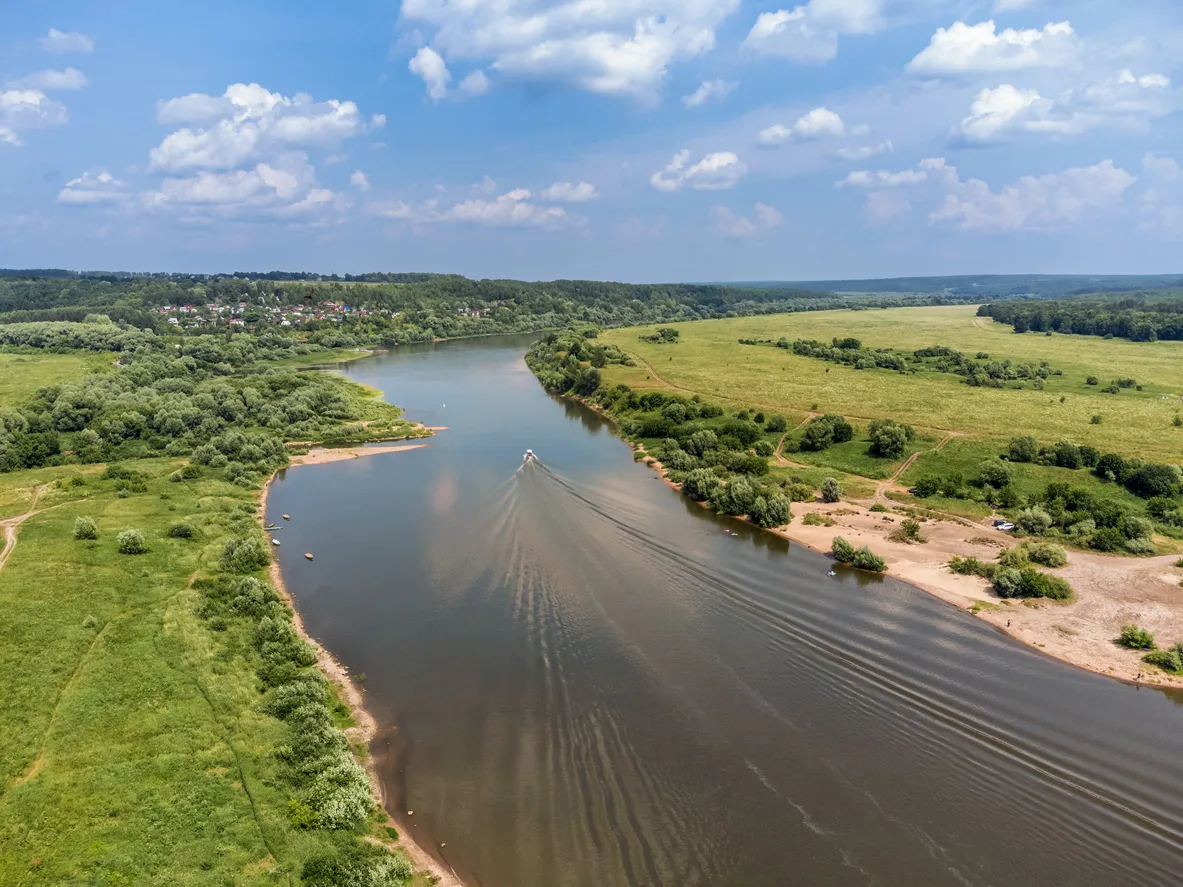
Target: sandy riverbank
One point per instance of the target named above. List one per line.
(325, 455)
(1110, 591)
(364, 727)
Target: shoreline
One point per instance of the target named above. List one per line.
(1109, 591)
(365, 726)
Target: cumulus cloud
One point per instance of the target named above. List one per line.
(360, 181)
(71, 78)
(568, 192)
(728, 224)
(715, 172)
(1161, 202)
(1124, 99)
(817, 123)
(93, 188)
(476, 83)
(611, 48)
(864, 178)
(1033, 202)
(428, 65)
(864, 152)
(708, 90)
(810, 33)
(974, 49)
(246, 123)
(514, 209)
(63, 42)
(24, 110)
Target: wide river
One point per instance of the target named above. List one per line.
(584, 681)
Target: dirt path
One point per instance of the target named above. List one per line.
(891, 483)
(778, 455)
(11, 526)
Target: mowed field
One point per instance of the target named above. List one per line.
(22, 374)
(708, 360)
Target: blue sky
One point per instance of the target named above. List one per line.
(640, 140)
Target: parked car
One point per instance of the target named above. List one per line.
(1004, 525)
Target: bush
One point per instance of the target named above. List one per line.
(831, 490)
(1023, 449)
(1170, 660)
(994, 473)
(777, 424)
(816, 519)
(1014, 558)
(182, 531)
(971, 566)
(131, 542)
(1136, 638)
(865, 559)
(764, 448)
(774, 512)
(929, 485)
(1035, 521)
(1046, 553)
(357, 864)
(244, 555)
(879, 507)
(908, 531)
(1029, 582)
(889, 439)
(800, 492)
(842, 550)
(86, 528)
(1140, 546)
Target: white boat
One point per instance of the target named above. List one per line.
(529, 455)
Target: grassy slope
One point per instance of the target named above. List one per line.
(130, 749)
(22, 374)
(708, 360)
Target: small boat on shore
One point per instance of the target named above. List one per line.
(308, 555)
(287, 517)
(275, 542)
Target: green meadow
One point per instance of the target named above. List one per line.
(22, 374)
(708, 360)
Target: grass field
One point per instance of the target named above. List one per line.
(132, 750)
(22, 374)
(709, 361)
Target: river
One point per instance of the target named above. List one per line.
(585, 682)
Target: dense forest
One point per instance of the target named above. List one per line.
(1139, 319)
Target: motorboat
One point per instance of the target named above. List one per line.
(529, 456)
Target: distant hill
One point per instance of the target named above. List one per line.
(993, 286)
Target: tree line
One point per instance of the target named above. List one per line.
(1140, 320)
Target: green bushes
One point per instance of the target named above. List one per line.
(824, 431)
(777, 424)
(86, 528)
(831, 490)
(183, 531)
(908, 531)
(358, 865)
(131, 542)
(1169, 660)
(860, 558)
(1030, 583)
(1136, 638)
(971, 566)
(816, 519)
(889, 439)
(1045, 553)
(244, 554)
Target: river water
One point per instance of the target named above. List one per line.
(594, 685)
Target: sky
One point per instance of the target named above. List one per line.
(632, 140)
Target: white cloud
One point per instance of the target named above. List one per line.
(514, 209)
(1164, 169)
(476, 83)
(1161, 204)
(994, 110)
(90, 189)
(715, 172)
(568, 192)
(864, 152)
(612, 47)
(23, 110)
(1033, 202)
(1121, 100)
(810, 33)
(817, 123)
(429, 66)
(864, 178)
(247, 123)
(61, 42)
(970, 49)
(360, 180)
(378, 121)
(728, 224)
(284, 188)
(886, 206)
(707, 90)
(71, 78)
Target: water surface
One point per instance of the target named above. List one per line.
(594, 685)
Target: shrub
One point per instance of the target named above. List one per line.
(764, 448)
(1140, 546)
(700, 484)
(1092, 380)
(865, 559)
(1035, 521)
(86, 528)
(182, 531)
(131, 542)
(1170, 660)
(816, 519)
(842, 550)
(995, 473)
(889, 439)
(1096, 419)
(244, 555)
(971, 566)
(1023, 449)
(1014, 558)
(776, 512)
(831, 490)
(1046, 553)
(1029, 582)
(777, 423)
(929, 485)
(357, 864)
(800, 492)
(1108, 539)
(908, 531)
(879, 507)
(1136, 638)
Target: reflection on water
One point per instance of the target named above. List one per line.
(594, 684)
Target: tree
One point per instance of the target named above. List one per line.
(995, 473)
(842, 550)
(831, 490)
(1024, 449)
(244, 555)
(1154, 479)
(131, 542)
(701, 441)
(86, 528)
(777, 423)
(1035, 521)
(1136, 638)
(700, 484)
(888, 439)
